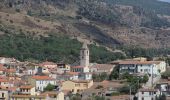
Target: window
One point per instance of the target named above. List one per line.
(152, 99)
(154, 92)
(142, 92)
(150, 93)
(142, 98)
(3, 95)
(85, 85)
(77, 84)
(141, 70)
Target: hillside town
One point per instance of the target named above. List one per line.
(128, 79)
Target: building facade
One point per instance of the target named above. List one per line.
(77, 86)
(148, 94)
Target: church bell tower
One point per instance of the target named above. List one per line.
(84, 56)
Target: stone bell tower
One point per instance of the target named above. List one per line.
(84, 56)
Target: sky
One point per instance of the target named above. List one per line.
(165, 0)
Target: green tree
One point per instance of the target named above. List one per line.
(114, 74)
(49, 87)
(145, 78)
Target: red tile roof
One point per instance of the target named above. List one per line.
(10, 70)
(72, 73)
(42, 78)
(4, 80)
(26, 87)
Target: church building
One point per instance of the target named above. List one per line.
(84, 60)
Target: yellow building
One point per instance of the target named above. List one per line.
(77, 86)
(27, 90)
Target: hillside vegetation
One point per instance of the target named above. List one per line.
(40, 29)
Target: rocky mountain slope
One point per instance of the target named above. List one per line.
(106, 22)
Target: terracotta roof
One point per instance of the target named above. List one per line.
(139, 62)
(2, 69)
(72, 73)
(10, 70)
(4, 80)
(77, 67)
(49, 93)
(42, 78)
(148, 90)
(8, 88)
(26, 87)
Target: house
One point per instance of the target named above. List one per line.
(146, 67)
(4, 94)
(147, 94)
(61, 68)
(4, 60)
(40, 82)
(80, 69)
(104, 88)
(27, 90)
(72, 75)
(164, 86)
(31, 69)
(2, 69)
(49, 65)
(101, 68)
(85, 76)
(76, 86)
(10, 72)
(53, 95)
(43, 96)
(5, 83)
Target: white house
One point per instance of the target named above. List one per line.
(147, 94)
(40, 82)
(4, 94)
(85, 76)
(145, 67)
(61, 68)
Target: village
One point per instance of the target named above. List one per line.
(128, 79)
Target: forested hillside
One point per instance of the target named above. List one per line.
(41, 29)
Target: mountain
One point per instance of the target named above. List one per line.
(108, 23)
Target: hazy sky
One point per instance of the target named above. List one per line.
(165, 0)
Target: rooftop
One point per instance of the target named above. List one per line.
(26, 87)
(148, 90)
(139, 62)
(42, 77)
